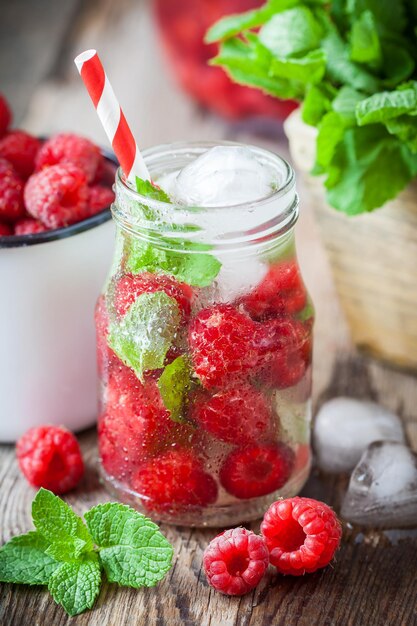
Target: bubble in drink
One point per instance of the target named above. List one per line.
(344, 428)
(383, 487)
(222, 176)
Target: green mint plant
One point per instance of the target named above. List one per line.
(69, 556)
(352, 65)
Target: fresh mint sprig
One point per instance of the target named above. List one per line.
(352, 65)
(69, 557)
(188, 261)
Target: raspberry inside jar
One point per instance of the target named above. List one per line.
(204, 339)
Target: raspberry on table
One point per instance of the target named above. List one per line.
(281, 292)
(5, 230)
(302, 535)
(11, 193)
(5, 115)
(100, 198)
(238, 415)
(174, 481)
(284, 347)
(221, 345)
(20, 149)
(69, 148)
(131, 286)
(257, 470)
(57, 196)
(29, 226)
(50, 457)
(235, 561)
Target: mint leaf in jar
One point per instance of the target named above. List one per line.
(148, 189)
(144, 335)
(192, 266)
(133, 551)
(174, 385)
(76, 585)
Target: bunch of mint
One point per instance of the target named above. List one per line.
(352, 64)
(68, 556)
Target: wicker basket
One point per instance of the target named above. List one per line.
(373, 258)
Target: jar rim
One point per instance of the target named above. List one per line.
(242, 224)
(189, 146)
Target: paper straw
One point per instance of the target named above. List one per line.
(111, 115)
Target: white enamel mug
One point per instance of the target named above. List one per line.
(49, 284)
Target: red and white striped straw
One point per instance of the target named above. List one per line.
(111, 115)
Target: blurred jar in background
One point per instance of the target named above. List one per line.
(183, 24)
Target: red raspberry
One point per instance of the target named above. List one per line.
(301, 534)
(136, 424)
(100, 198)
(130, 286)
(20, 149)
(50, 457)
(173, 482)
(221, 345)
(235, 561)
(257, 470)
(69, 148)
(58, 195)
(106, 173)
(5, 115)
(11, 192)
(104, 353)
(284, 347)
(236, 415)
(282, 291)
(5, 230)
(29, 226)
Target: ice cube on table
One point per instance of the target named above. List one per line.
(382, 490)
(344, 428)
(222, 176)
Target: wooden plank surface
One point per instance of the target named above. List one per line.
(373, 581)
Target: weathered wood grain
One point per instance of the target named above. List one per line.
(373, 581)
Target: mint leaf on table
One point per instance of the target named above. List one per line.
(58, 523)
(142, 338)
(133, 551)
(76, 585)
(385, 105)
(24, 560)
(130, 548)
(174, 385)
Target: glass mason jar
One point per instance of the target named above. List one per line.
(204, 346)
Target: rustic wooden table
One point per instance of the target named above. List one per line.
(372, 583)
